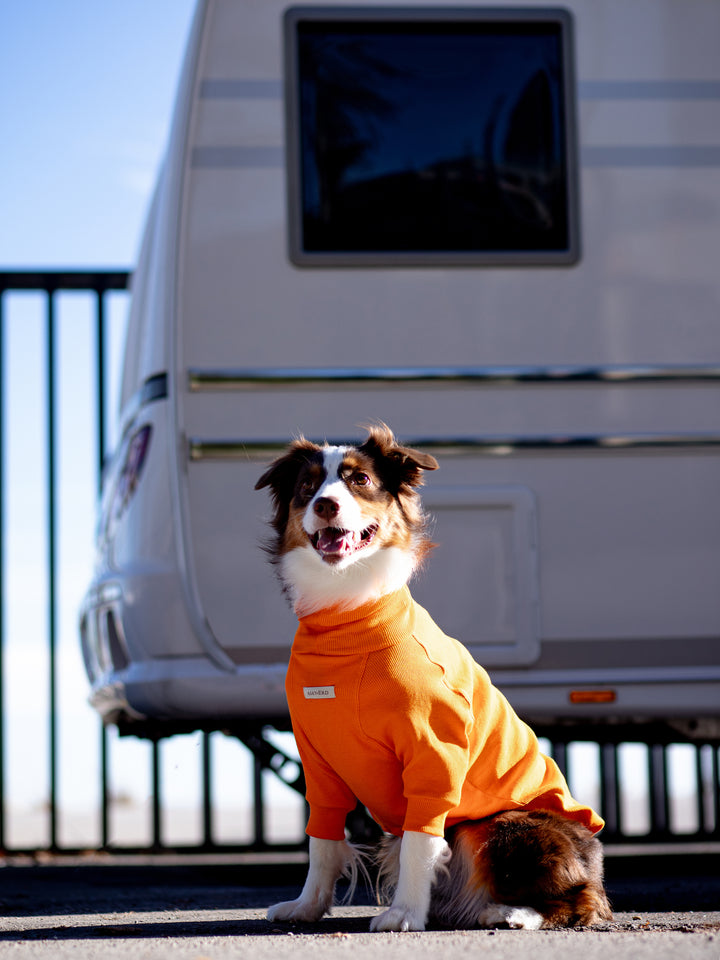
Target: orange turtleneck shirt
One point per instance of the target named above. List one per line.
(387, 709)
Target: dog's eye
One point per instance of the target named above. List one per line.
(359, 479)
(306, 489)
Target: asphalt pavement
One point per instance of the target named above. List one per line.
(666, 906)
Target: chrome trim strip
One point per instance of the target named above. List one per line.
(246, 88)
(230, 158)
(703, 155)
(212, 380)
(252, 450)
(235, 88)
(506, 677)
(273, 158)
(649, 90)
(604, 653)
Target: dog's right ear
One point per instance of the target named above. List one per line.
(282, 474)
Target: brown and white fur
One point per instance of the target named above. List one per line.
(349, 528)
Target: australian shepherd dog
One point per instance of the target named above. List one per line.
(480, 827)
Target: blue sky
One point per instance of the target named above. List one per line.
(86, 92)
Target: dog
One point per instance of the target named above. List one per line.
(481, 829)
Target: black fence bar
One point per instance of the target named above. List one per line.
(207, 805)
(3, 381)
(610, 794)
(266, 757)
(104, 792)
(49, 281)
(52, 561)
(559, 754)
(258, 803)
(702, 811)
(156, 796)
(659, 801)
(715, 774)
(101, 442)
(100, 363)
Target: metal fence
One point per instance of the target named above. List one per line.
(681, 800)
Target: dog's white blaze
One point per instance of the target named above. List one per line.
(349, 516)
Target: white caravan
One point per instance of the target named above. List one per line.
(496, 228)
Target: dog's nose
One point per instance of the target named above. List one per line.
(326, 508)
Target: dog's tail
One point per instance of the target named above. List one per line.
(524, 859)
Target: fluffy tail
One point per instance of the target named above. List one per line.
(523, 859)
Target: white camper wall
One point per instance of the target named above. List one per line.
(624, 538)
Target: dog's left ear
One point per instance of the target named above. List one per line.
(407, 464)
(282, 474)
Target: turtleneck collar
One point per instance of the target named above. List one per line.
(372, 626)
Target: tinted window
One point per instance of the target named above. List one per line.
(418, 138)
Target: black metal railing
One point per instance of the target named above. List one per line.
(655, 822)
(100, 284)
(50, 283)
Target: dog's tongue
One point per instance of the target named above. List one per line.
(337, 542)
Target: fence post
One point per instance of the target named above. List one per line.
(156, 802)
(609, 787)
(100, 464)
(258, 803)
(2, 570)
(659, 804)
(207, 789)
(52, 560)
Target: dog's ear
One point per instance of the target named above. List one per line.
(407, 465)
(282, 473)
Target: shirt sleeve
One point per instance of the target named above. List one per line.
(435, 759)
(329, 797)
(428, 730)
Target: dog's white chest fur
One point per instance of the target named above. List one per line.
(314, 586)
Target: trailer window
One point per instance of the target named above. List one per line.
(421, 136)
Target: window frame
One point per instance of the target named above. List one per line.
(427, 258)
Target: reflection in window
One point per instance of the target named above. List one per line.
(427, 136)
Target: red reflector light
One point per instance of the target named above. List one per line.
(593, 696)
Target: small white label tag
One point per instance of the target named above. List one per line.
(319, 693)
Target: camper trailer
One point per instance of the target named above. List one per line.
(495, 228)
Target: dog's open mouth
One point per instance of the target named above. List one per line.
(334, 544)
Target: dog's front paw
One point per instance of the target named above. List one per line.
(523, 918)
(301, 910)
(517, 918)
(400, 919)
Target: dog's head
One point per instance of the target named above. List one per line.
(348, 522)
